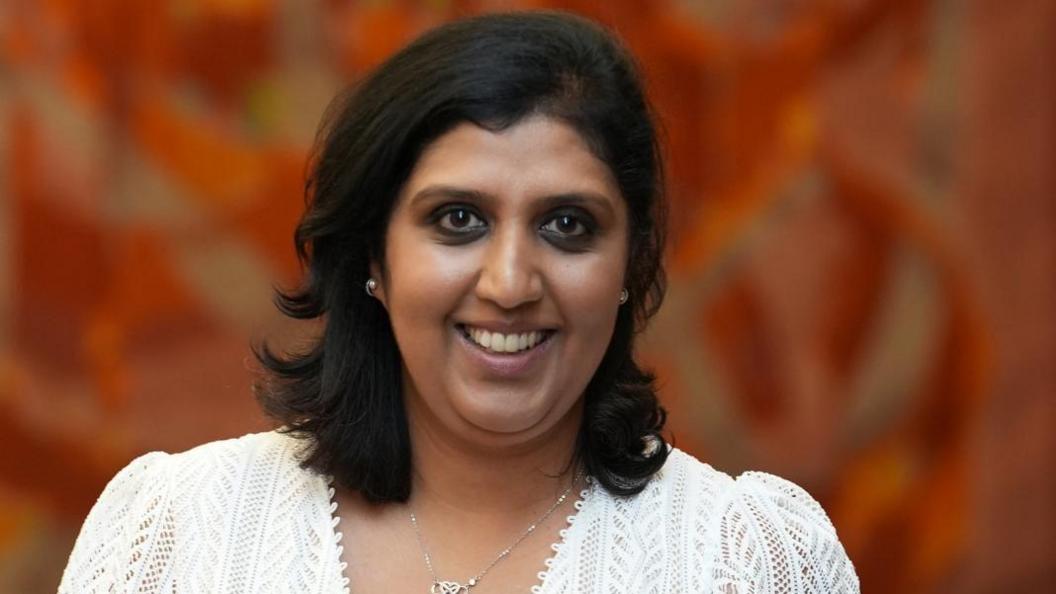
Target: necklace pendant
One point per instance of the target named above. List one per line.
(439, 587)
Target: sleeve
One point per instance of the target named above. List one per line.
(124, 542)
(775, 538)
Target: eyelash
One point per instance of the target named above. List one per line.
(443, 215)
(583, 221)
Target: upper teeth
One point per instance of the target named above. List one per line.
(505, 343)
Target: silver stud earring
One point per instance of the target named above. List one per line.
(371, 285)
(624, 295)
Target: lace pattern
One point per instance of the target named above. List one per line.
(335, 522)
(559, 546)
(242, 516)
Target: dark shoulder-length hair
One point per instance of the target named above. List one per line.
(344, 392)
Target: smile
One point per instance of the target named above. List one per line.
(496, 342)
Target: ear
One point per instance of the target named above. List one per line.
(379, 292)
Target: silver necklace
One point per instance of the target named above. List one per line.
(449, 587)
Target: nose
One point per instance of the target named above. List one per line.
(509, 275)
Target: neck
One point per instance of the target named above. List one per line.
(472, 479)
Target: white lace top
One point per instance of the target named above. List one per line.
(241, 516)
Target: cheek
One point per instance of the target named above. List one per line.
(424, 284)
(589, 298)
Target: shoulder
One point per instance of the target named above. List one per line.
(765, 533)
(249, 450)
(161, 505)
(227, 473)
(767, 496)
(206, 464)
(225, 462)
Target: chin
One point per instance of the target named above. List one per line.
(501, 419)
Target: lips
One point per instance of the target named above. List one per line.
(504, 364)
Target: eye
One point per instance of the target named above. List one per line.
(567, 225)
(459, 219)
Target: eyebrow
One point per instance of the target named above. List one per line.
(549, 201)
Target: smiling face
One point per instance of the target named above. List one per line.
(504, 260)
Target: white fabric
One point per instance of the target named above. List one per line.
(241, 516)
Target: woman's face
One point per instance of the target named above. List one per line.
(505, 258)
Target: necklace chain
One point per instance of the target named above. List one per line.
(447, 587)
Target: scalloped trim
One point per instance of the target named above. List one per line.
(584, 494)
(335, 520)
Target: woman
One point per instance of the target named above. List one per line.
(483, 242)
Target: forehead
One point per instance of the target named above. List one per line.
(536, 156)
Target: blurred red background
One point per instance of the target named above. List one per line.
(863, 265)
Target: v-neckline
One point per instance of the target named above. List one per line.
(540, 587)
